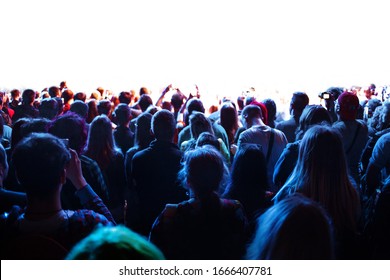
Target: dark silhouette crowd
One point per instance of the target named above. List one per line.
(118, 176)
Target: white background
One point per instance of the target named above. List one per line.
(223, 46)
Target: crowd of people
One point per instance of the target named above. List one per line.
(97, 176)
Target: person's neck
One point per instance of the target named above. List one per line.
(255, 122)
(37, 209)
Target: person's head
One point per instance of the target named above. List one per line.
(311, 115)
(104, 107)
(122, 114)
(207, 138)
(369, 91)
(264, 111)
(67, 95)
(34, 125)
(199, 123)
(203, 171)
(296, 228)
(163, 125)
(144, 102)
(70, 126)
(143, 135)
(177, 100)
(248, 172)
(321, 173)
(298, 102)
(37, 152)
(92, 110)
(80, 108)
(250, 115)
(143, 91)
(372, 104)
(193, 105)
(28, 97)
(152, 109)
(48, 108)
(229, 119)
(114, 243)
(15, 94)
(271, 109)
(54, 91)
(125, 97)
(80, 96)
(63, 85)
(240, 102)
(348, 106)
(100, 143)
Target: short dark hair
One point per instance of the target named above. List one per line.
(144, 102)
(48, 108)
(80, 96)
(122, 113)
(28, 96)
(163, 125)
(299, 101)
(125, 97)
(37, 152)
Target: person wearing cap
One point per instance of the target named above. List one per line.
(354, 131)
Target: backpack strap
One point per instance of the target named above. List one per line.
(354, 138)
(270, 145)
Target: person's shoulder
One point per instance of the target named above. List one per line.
(86, 217)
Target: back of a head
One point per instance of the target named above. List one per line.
(15, 94)
(143, 91)
(100, 137)
(114, 243)
(70, 126)
(347, 106)
(195, 105)
(163, 125)
(80, 108)
(271, 108)
(28, 96)
(104, 107)
(199, 123)
(144, 102)
(37, 152)
(295, 228)
(142, 131)
(207, 138)
(80, 96)
(34, 125)
(203, 170)
(311, 115)
(177, 101)
(228, 116)
(54, 91)
(252, 112)
(48, 108)
(322, 149)
(67, 95)
(299, 101)
(249, 170)
(122, 114)
(125, 97)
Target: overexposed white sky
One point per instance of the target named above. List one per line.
(223, 46)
